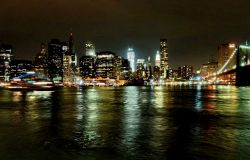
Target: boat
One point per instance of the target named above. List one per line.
(35, 84)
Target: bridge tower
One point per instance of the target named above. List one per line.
(243, 66)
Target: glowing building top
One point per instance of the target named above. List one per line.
(158, 59)
(131, 58)
(90, 49)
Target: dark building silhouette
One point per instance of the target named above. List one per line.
(41, 62)
(125, 69)
(55, 60)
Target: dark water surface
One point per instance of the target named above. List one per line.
(181, 122)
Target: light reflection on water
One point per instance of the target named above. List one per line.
(173, 122)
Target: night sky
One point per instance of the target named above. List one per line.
(194, 28)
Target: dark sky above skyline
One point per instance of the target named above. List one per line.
(194, 28)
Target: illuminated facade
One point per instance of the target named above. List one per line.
(105, 64)
(158, 59)
(71, 51)
(87, 67)
(55, 61)
(164, 57)
(68, 64)
(117, 66)
(149, 68)
(41, 63)
(131, 58)
(20, 67)
(185, 72)
(90, 49)
(140, 68)
(6, 56)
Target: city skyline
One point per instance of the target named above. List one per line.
(193, 29)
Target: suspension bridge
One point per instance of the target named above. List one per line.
(236, 69)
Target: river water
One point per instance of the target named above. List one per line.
(171, 122)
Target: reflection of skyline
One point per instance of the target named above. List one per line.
(130, 121)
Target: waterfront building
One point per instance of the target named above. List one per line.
(131, 58)
(20, 67)
(87, 66)
(224, 52)
(117, 66)
(164, 57)
(55, 61)
(140, 68)
(173, 74)
(125, 69)
(105, 64)
(41, 63)
(6, 56)
(185, 72)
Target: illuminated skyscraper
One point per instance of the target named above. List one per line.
(140, 68)
(72, 51)
(90, 49)
(164, 57)
(158, 59)
(6, 56)
(131, 58)
(68, 74)
(105, 64)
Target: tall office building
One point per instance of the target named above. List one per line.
(6, 56)
(149, 68)
(68, 65)
(72, 51)
(158, 59)
(131, 58)
(140, 68)
(185, 72)
(164, 57)
(224, 52)
(105, 64)
(90, 49)
(125, 69)
(117, 66)
(87, 66)
(55, 61)
(41, 63)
